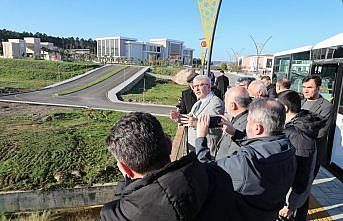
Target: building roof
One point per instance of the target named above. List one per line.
(189, 49)
(166, 39)
(117, 37)
(330, 42)
(293, 51)
(254, 55)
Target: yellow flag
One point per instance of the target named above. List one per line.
(208, 10)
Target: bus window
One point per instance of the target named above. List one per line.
(328, 74)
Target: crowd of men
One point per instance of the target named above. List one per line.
(257, 163)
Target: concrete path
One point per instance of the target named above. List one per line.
(328, 192)
(95, 97)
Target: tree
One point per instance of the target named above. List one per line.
(223, 66)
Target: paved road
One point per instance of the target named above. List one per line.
(92, 97)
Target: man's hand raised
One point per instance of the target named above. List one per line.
(202, 125)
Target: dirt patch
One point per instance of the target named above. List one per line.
(16, 109)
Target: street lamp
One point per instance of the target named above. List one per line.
(259, 48)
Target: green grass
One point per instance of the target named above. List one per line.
(98, 80)
(166, 70)
(158, 91)
(31, 74)
(34, 150)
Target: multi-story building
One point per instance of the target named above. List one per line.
(249, 63)
(14, 48)
(123, 47)
(188, 56)
(33, 47)
(30, 47)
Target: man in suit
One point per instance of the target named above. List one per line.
(188, 97)
(237, 101)
(222, 82)
(315, 103)
(271, 92)
(208, 104)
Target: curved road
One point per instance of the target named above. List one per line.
(93, 97)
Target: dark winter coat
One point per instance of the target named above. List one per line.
(187, 101)
(183, 190)
(302, 131)
(222, 82)
(262, 172)
(325, 110)
(271, 90)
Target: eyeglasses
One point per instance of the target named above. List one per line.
(199, 85)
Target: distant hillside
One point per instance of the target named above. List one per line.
(61, 42)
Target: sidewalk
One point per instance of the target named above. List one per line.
(326, 202)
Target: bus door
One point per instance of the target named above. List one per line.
(337, 145)
(332, 90)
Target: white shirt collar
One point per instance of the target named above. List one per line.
(207, 97)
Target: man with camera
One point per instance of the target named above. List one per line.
(263, 169)
(237, 101)
(208, 104)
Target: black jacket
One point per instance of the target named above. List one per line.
(182, 190)
(302, 131)
(262, 172)
(222, 82)
(271, 91)
(325, 110)
(187, 101)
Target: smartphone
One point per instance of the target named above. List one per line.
(214, 121)
(181, 116)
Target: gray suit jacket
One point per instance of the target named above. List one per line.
(225, 146)
(324, 109)
(213, 106)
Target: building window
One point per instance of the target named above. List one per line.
(269, 63)
(338, 52)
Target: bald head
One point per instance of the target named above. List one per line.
(257, 89)
(236, 100)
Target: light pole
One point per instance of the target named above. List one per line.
(259, 48)
(237, 54)
(58, 71)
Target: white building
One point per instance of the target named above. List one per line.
(33, 47)
(173, 49)
(14, 48)
(249, 63)
(119, 47)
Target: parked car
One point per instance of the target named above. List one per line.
(244, 81)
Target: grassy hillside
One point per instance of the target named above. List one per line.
(59, 149)
(166, 70)
(158, 91)
(30, 74)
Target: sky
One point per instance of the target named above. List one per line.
(292, 24)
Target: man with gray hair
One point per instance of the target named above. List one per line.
(283, 84)
(208, 104)
(257, 89)
(237, 101)
(263, 169)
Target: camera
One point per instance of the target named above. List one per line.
(214, 121)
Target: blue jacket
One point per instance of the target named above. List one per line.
(262, 172)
